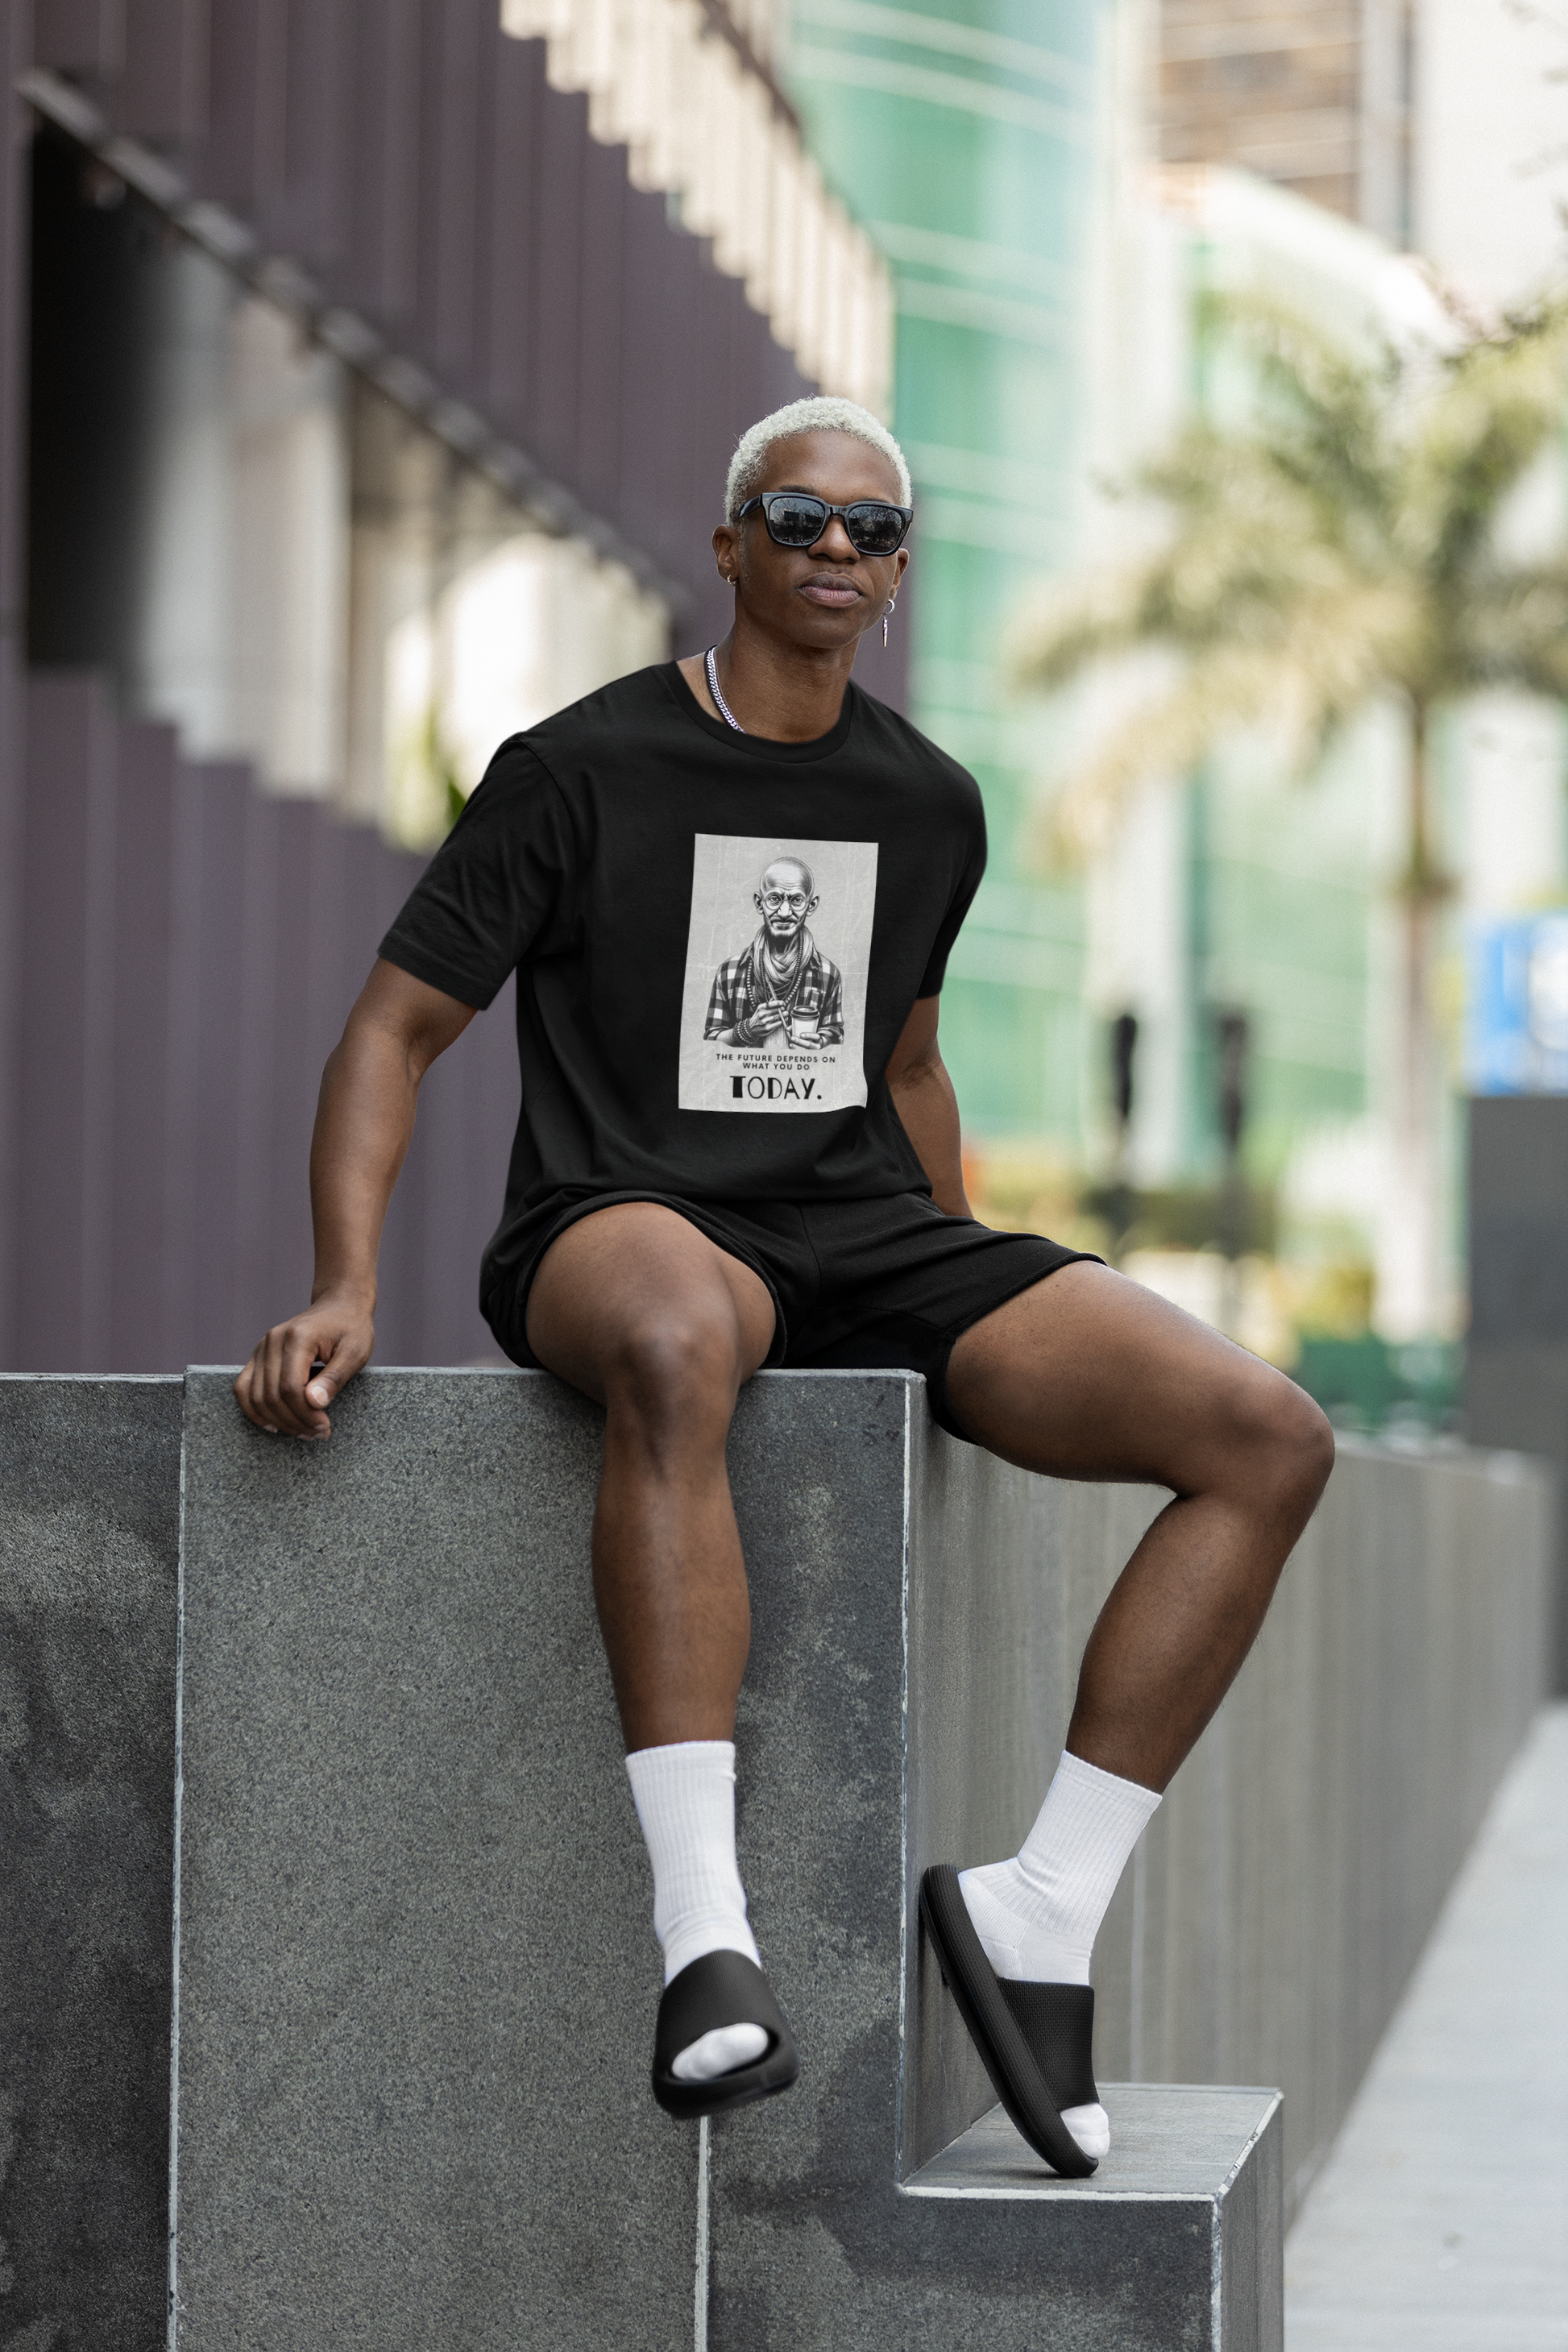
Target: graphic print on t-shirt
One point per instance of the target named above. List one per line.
(773, 1011)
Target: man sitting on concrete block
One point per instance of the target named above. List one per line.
(729, 886)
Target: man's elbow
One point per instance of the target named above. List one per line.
(923, 1069)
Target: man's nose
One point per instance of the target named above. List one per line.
(835, 541)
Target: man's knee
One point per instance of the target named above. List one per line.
(675, 1366)
(1287, 1438)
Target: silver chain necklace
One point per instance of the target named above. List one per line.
(710, 668)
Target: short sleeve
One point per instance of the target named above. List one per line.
(496, 888)
(958, 905)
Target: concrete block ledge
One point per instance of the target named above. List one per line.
(1198, 2261)
(416, 1977)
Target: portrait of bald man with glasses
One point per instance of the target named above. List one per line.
(783, 987)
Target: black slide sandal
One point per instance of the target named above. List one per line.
(998, 2034)
(720, 1988)
(1057, 2021)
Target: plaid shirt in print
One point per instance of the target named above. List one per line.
(739, 989)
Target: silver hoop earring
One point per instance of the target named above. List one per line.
(892, 607)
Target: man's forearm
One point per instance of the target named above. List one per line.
(364, 1122)
(924, 1099)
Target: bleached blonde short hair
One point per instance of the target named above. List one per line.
(821, 414)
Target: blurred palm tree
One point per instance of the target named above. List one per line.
(1338, 548)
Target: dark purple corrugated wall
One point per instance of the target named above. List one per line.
(177, 951)
(190, 946)
(415, 161)
(16, 36)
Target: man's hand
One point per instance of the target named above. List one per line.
(761, 1022)
(277, 1390)
(365, 1120)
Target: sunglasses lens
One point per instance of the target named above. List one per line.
(796, 521)
(874, 530)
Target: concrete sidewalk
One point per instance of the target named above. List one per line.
(1440, 2220)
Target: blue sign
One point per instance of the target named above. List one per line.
(1516, 1009)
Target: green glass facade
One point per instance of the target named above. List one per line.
(963, 136)
(973, 139)
(1278, 913)
(1280, 872)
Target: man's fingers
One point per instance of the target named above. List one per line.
(285, 1413)
(325, 1384)
(283, 1384)
(347, 1356)
(246, 1390)
(263, 1403)
(300, 1351)
(279, 1389)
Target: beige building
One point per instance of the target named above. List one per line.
(1313, 94)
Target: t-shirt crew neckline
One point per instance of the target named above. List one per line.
(758, 747)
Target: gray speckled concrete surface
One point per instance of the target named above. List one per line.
(417, 1980)
(1282, 1897)
(813, 2245)
(401, 1733)
(1007, 1575)
(1198, 2265)
(417, 1973)
(89, 1538)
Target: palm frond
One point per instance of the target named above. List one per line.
(1310, 369)
(1335, 545)
(1244, 541)
(1301, 683)
(1513, 631)
(1068, 624)
(1324, 414)
(1501, 399)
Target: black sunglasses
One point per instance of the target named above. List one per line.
(796, 519)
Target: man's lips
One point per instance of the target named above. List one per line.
(826, 590)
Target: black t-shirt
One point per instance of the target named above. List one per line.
(718, 940)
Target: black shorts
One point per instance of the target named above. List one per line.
(880, 1285)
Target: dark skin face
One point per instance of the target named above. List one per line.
(801, 612)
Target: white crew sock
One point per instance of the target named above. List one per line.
(1038, 1915)
(685, 1797)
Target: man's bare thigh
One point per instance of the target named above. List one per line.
(1087, 1375)
(639, 1271)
